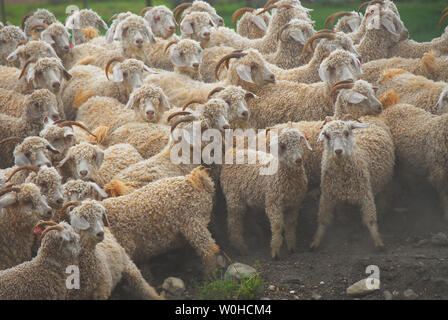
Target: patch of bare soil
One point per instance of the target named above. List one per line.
(416, 257)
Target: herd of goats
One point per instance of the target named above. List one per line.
(89, 124)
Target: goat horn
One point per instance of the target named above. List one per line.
(9, 189)
(226, 58)
(175, 114)
(269, 2)
(275, 6)
(56, 227)
(368, 3)
(112, 18)
(17, 139)
(335, 16)
(22, 24)
(44, 223)
(239, 12)
(25, 66)
(281, 30)
(40, 25)
(27, 167)
(340, 85)
(180, 8)
(144, 10)
(309, 42)
(200, 101)
(65, 206)
(116, 59)
(211, 93)
(74, 123)
(444, 16)
(184, 119)
(168, 45)
(445, 10)
(21, 43)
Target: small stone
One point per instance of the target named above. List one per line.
(264, 298)
(395, 293)
(271, 287)
(292, 292)
(363, 287)
(296, 297)
(321, 282)
(410, 294)
(439, 239)
(316, 296)
(220, 261)
(421, 242)
(238, 271)
(388, 295)
(174, 286)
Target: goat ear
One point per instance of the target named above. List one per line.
(7, 200)
(389, 25)
(150, 34)
(79, 223)
(105, 220)
(13, 55)
(440, 105)
(164, 102)
(46, 36)
(245, 73)
(354, 25)
(297, 35)
(176, 59)
(321, 136)
(98, 189)
(67, 76)
(73, 22)
(63, 161)
(259, 22)
(358, 125)
(356, 98)
(21, 160)
(99, 158)
(68, 132)
(186, 27)
(305, 139)
(103, 25)
(131, 102)
(122, 32)
(30, 75)
(117, 75)
(324, 72)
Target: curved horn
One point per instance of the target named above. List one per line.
(275, 6)
(144, 10)
(309, 42)
(200, 101)
(116, 59)
(112, 18)
(25, 66)
(21, 43)
(74, 123)
(335, 16)
(44, 223)
(17, 139)
(65, 206)
(9, 189)
(444, 16)
(239, 12)
(22, 24)
(54, 227)
(269, 2)
(236, 54)
(40, 25)
(184, 119)
(168, 45)
(175, 114)
(27, 167)
(368, 3)
(344, 84)
(211, 93)
(281, 30)
(180, 8)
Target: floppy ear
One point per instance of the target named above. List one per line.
(67, 76)
(99, 158)
(358, 125)
(105, 220)
(7, 200)
(30, 75)
(13, 55)
(46, 36)
(79, 223)
(297, 35)
(164, 102)
(73, 22)
(150, 34)
(389, 25)
(324, 73)
(102, 25)
(176, 59)
(186, 28)
(63, 161)
(131, 102)
(259, 22)
(354, 25)
(357, 65)
(68, 132)
(121, 32)
(244, 72)
(356, 98)
(321, 136)
(21, 159)
(98, 189)
(118, 74)
(306, 142)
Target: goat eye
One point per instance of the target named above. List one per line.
(228, 101)
(327, 136)
(346, 133)
(36, 105)
(125, 74)
(157, 18)
(28, 155)
(94, 157)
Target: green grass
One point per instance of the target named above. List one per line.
(420, 17)
(219, 289)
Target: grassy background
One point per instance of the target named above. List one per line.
(420, 17)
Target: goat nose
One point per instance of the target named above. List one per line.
(195, 65)
(139, 41)
(55, 117)
(56, 85)
(150, 113)
(338, 151)
(66, 47)
(298, 160)
(226, 126)
(60, 201)
(245, 114)
(83, 173)
(206, 34)
(100, 235)
(220, 22)
(48, 164)
(172, 28)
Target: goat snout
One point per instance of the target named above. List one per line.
(150, 114)
(245, 115)
(100, 235)
(83, 173)
(172, 28)
(299, 161)
(206, 35)
(139, 42)
(338, 152)
(56, 85)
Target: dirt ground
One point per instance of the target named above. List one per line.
(410, 226)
